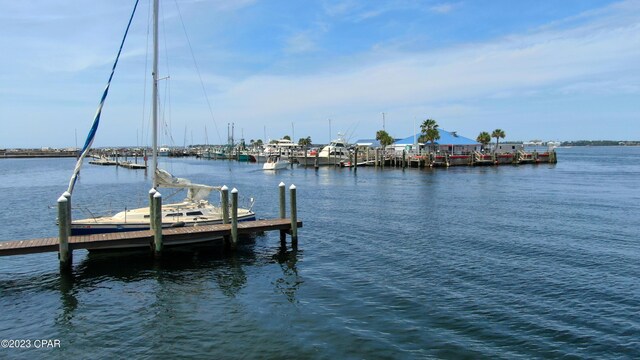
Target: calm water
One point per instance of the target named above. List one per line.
(499, 262)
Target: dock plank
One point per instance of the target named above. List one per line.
(171, 236)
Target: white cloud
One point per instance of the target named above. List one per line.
(551, 58)
(444, 8)
(550, 62)
(300, 43)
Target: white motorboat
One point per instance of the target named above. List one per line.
(195, 210)
(275, 162)
(335, 153)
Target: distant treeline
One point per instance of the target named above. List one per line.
(600, 143)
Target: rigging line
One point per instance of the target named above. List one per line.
(195, 63)
(96, 120)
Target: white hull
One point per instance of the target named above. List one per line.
(173, 215)
(279, 165)
(322, 161)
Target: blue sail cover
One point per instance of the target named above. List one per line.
(96, 119)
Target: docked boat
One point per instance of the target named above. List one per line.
(283, 147)
(275, 162)
(335, 153)
(194, 210)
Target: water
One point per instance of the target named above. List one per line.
(495, 262)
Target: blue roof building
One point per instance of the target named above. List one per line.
(449, 142)
(446, 138)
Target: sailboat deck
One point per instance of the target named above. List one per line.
(171, 236)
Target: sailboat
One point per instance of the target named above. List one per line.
(195, 210)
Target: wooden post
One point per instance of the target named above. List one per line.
(152, 192)
(294, 216)
(225, 204)
(305, 155)
(157, 226)
(315, 165)
(224, 193)
(404, 159)
(283, 234)
(234, 218)
(355, 161)
(64, 225)
(67, 195)
(282, 201)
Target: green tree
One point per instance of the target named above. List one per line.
(384, 138)
(430, 131)
(484, 138)
(305, 141)
(287, 137)
(259, 142)
(498, 134)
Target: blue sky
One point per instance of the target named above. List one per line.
(549, 70)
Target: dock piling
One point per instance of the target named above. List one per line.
(355, 159)
(64, 229)
(67, 195)
(224, 193)
(283, 235)
(152, 192)
(294, 216)
(157, 226)
(234, 218)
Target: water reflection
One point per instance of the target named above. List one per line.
(290, 281)
(67, 297)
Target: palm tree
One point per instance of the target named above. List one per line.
(484, 138)
(498, 134)
(430, 131)
(384, 138)
(305, 141)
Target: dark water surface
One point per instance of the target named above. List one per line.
(498, 262)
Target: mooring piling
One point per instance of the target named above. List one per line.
(157, 220)
(224, 193)
(234, 218)
(152, 192)
(281, 186)
(294, 216)
(67, 195)
(64, 230)
(355, 159)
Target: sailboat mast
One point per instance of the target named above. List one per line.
(154, 159)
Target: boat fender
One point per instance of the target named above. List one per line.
(178, 224)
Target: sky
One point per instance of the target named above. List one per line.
(538, 69)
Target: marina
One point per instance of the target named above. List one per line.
(156, 238)
(433, 262)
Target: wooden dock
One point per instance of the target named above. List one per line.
(133, 239)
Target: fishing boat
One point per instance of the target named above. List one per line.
(333, 154)
(194, 210)
(275, 162)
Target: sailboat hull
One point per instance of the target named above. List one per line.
(104, 228)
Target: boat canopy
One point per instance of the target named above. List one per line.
(195, 192)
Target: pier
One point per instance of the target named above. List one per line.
(157, 237)
(136, 239)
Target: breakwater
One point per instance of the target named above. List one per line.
(37, 153)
